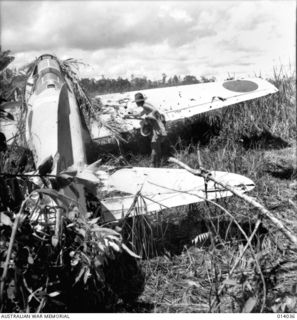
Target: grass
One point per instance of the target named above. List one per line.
(189, 253)
(256, 139)
(176, 280)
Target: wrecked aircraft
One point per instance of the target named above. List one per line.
(61, 144)
(178, 102)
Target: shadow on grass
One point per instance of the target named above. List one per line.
(264, 141)
(172, 236)
(284, 173)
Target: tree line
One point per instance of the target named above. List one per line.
(109, 85)
(10, 80)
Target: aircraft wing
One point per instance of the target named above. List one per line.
(181, 102)
(161, 188)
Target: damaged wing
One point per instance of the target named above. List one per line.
(161, 188)
(180, 102)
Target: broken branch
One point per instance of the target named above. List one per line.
(265, 213)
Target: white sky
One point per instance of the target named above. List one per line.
(148, 38)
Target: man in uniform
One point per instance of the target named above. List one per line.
(152, 125)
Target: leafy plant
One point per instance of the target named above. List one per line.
(49, 251)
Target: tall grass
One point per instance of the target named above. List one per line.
(275, 115)
(201, 242)
(190, 281)
(264, 122)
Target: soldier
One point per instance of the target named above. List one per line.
(152, 125)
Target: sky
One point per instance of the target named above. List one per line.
(148, 38)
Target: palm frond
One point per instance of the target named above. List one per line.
(91, 108)
(28, 67)
(5, 59)
(6, 115)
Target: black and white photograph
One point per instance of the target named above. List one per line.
(148, 158)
